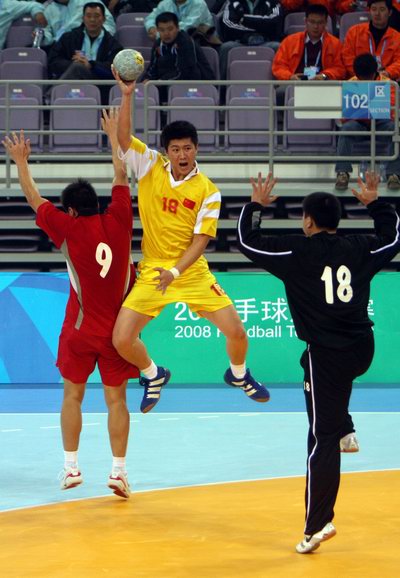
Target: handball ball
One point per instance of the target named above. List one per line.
(129, 64)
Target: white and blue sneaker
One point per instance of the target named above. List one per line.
(152, 388)
(250, 386)
(311, 543)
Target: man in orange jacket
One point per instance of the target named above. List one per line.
(313, 54)
(377, 38)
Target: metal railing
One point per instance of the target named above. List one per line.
(273, 153)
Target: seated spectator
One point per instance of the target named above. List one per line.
(117, 7)
(314, 54)
(86, 52)
(10, 10)
(250, 23)
(366, 68)
(376, 37)
(65, 15)
(175, 55)
(193, 15)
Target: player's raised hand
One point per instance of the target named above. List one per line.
(369, 189)
(262, 190)
(109, 122)
(17, 147)
(126, 87)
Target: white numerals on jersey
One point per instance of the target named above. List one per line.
(104, 257)
(344, 290)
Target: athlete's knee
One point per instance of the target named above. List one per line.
(237, 332)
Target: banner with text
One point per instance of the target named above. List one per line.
(32, 309)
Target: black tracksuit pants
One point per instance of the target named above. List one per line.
(328, 379)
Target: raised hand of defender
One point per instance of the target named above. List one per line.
(125, 86)
(262, 190)
(109, 123)
(17, 147)
(369, 189)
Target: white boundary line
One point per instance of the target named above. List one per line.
(189, 486)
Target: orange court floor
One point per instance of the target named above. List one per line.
(231, 530)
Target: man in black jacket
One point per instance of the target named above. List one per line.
(250, 23)
(327, 280)
(86, 52)
(175, 56)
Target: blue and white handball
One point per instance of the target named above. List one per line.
(129, 64)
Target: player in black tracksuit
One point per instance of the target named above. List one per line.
(327, 280)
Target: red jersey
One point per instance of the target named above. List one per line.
(98, 254)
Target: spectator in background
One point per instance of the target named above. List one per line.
(193, 16)
(65, 15)
(376, 37)
(86, 52)
(10, 10)
(250, 23)
(366, 68)
(314, 54)
(117, 7)
(175, 55)
(344, 6)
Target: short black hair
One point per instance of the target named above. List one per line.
(317, 9)
(81, 196)
(95, 5)
(167, 17)
(365, 66)
(324, 209)
(177, 130)
(387, 2)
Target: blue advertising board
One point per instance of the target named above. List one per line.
(366, 100)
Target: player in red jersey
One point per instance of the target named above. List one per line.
(97, 248)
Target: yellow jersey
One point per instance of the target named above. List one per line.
(171, 211)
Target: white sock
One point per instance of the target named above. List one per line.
(71, 459)
(118, 465)
(151, 371)
(239, 371)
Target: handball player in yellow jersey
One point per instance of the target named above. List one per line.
(179, 209)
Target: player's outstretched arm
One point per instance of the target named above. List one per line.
(125, 112)
(262, 190)
(19, 150)
(368, 191)
(109, 123)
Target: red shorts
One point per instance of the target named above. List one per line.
(78, 354)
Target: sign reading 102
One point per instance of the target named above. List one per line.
(355, 100)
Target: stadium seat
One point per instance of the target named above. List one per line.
(303, 142)
(27, 63)
(78, 120)
(205, 120)
(249, 118)
(250, 53)
(20, 97)
(23, 54)
(131, 19)
(351, 19)
(133, 36)
(153, 116)
(250, 70)
(20, 36)
(213, 60)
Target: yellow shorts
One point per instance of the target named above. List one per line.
(198, 288)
